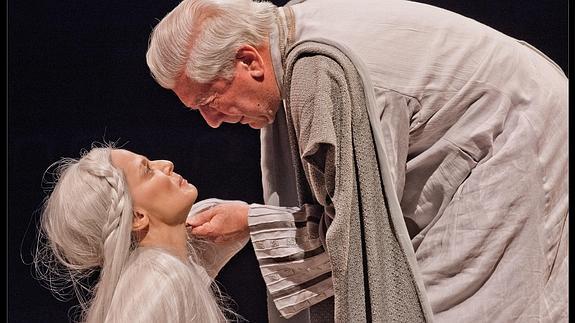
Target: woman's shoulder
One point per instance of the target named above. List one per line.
(158, 263)
(154, 271)
(167, 286)
(153, 258)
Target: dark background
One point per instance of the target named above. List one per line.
(77, 74)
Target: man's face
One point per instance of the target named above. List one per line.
(251, 97)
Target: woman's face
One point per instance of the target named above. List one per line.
(155, 189)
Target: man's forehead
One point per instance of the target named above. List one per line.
(190, 85)
(190, 89)
(193, 93)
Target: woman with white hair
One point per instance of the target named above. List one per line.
(118, 213)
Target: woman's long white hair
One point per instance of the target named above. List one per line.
(86, 226)
(200, 38)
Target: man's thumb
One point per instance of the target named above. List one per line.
(201, 218)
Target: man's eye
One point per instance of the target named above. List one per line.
(206, 102)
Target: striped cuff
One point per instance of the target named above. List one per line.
(293, 262)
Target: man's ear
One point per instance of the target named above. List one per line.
(249, 59)
(140, 221)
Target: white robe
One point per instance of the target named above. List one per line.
(474, 127)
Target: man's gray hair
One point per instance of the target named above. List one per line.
(200, 38)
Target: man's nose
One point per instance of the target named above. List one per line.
(213, 118)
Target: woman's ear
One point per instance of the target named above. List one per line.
(140, 221)
(250, 61)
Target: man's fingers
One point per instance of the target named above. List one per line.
(201, 218)
(205, 230)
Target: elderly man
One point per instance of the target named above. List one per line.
(414, 161)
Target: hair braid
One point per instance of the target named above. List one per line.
(86, 226)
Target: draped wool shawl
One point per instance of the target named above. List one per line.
(336, 166)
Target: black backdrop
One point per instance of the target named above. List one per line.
(77, 74)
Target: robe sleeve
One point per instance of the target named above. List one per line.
(292, 259)
(214, 257)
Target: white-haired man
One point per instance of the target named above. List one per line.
(414, 161)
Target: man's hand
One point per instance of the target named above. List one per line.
(221, 223)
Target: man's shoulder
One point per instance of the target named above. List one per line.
(311, 59)
(315, 70)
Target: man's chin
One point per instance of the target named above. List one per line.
(257, 125)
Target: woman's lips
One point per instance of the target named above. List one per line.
(182, 181)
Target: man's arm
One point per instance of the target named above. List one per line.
(214, 256)
(293, 262)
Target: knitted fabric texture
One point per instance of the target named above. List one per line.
(337, 167)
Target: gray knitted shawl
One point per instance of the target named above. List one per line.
(337, 167)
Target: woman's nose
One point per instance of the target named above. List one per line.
(165, 166)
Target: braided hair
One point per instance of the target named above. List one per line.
(86, 227)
